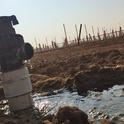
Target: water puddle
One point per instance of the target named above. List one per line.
(97, 105)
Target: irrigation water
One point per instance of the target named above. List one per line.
(98, 105)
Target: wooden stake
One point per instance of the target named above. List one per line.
(98, 29)
(76, 31)
(85, 29)
(79, 37)
(65, 32)
(93, 31)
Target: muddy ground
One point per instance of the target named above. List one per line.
(98, 63)
(90, 66)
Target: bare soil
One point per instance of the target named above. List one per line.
(61, 66)
(99, 62)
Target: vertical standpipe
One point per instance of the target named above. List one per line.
(17, 89)
(15, 76)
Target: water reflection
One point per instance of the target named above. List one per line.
(109, 102)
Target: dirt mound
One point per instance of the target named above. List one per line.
(98, 79)
(73, 115)
(65, 115)
(70, 115)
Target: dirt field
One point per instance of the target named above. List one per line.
(66, 61)
(58, 68)
(90, 66)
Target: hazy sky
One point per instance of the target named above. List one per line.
(45, 18)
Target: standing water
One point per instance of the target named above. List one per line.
(98, 105)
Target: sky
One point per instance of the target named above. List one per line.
(44, 19)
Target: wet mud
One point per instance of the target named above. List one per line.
(80, 76)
